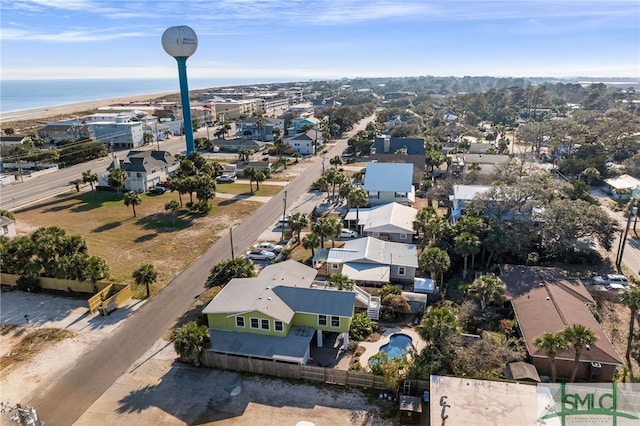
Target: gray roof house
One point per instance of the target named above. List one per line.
(386, 149)
(374, 262)
(275, 315)
(389, 182)
(389, 222)
(145, 169)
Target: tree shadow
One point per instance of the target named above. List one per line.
(145, 238)
(94, 200)
(107, 227)
(164, 222)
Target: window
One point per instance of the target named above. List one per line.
(403, 236)
(400, 195)
(254, 322)
(401, 270)
(264, 324)
(335, 266)
(374, 194)
(5, 229)
(322, 320)
(240, 322)
(335, 321)
(278, 326)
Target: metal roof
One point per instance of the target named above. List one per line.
(372, 250)
(388, 177)
(291, 348)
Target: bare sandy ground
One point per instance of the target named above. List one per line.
(158, 390)
(48, 112)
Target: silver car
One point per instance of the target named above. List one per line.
(260, 255)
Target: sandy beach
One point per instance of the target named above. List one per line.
(25, 120)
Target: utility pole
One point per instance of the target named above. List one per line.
(633, 211)
(284, 213)
(231, 240)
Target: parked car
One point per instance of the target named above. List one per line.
(618, 288)
(166, 184)
(268, 247)
(226, 179)
(608, 279)
(349, 233)
(260, 255)
(157, 190)
(283, 223)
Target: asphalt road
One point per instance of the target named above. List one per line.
(63, 402)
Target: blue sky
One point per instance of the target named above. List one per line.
(321, 39)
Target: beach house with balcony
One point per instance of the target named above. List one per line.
(277, 314)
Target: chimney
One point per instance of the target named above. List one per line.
(387, 143)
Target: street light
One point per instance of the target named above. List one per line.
(181, 42)
(632, 213)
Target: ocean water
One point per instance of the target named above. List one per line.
(18, 95)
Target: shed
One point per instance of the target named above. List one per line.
(522, 371)
(410, 409)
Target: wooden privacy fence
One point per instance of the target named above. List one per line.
(301, 372)
(108, 297)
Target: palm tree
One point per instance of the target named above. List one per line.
(189, 341)
(335, 161)
(259, 176)
(145, 275)
(631, 299)
(327, 227)
(438, 325)
(76, 183)
(436, 261)
(357, 198)
(552, 344)
(578, 336)
(423, 216)
(465, 245)
(297, 222)
(90, 178)
(250, 172)
(244, 154)
(172, 206)
(341, 282)
(310, 242)
(132, 199)
(116, 178)
(487, 289)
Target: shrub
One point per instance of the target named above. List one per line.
(361, 327)
(29, 283)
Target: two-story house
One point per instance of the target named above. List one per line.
(275, 315)
(259, 128)
(370, 261)
(302, 125)
(304, 143)
(145, 169)
(390, 222)
(386, 149)
(389, 182)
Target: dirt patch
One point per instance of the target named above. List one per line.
(24, 344)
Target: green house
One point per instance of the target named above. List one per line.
(277, 314)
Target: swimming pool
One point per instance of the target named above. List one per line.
(397, 347)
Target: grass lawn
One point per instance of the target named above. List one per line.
(126, 242)
(243, 189)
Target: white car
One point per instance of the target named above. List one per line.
(268, 247)
(608, 279)
(260, 255)
(349, 233)
(226, 179)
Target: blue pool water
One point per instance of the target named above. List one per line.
(397, 347)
